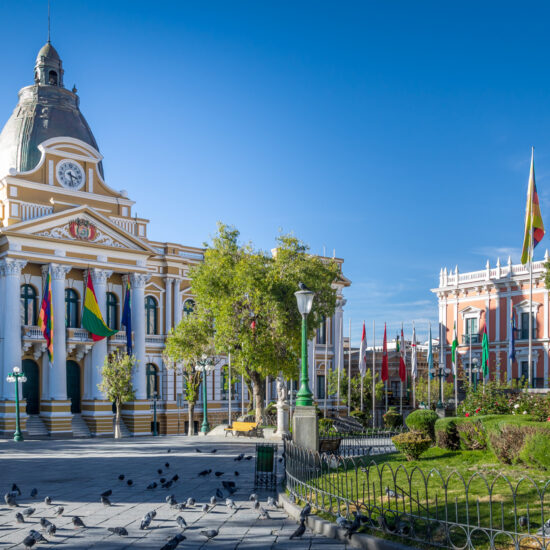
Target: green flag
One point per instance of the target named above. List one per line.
(485, 353)
(454, 346)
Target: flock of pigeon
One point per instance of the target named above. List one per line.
(222, 496)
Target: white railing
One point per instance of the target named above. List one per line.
(491, 274)
(191, 255)
(30, 211)
(154, 339)
(32, 332)
(127, 224)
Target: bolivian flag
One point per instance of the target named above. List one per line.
(534, 228)
(45, 318)
(92, 320)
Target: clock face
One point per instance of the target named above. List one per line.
(70, 174)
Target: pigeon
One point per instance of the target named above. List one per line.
(181, 522)
(523, 521)
(257, 505)
(392, 494)
(190, 502)
(169, 451)
(105, 501)
(15, 489)
(159, 472)
(204, 473)
(306, 510)
(300, 530)
(213, 501)
(175, 478)
(167, 464)
(152, 485)
(34, 492)
(218, 474)
(129, 483)
(205, 508)
(51, 529)
(121, 477)
(107, 493)
(214, 451)
(171, 500)
(263, 513)
(236, 473)
(545, 529)
(28, 512)
(230, 503)
(253, 496)
(280, 459)
(353, 526)
(229, 486)
(302, 286)
(77, 522)
(162, 480)
(198, 450)
(248, 457)
(167, 484)
(120, 531)
(172, 544)
(271, 502)
(240, 457)
(38, 537)
(29, 541)
(19, 517)
(219, 494)
(153, 513)
(210, 533)
(181, 506)
(145, 521)
(383, 523)
(343, 522)
(59, 511)
(48, 500)
(9, 499)
(48, 526)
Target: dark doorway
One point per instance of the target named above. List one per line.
(31, 388)
(73, 385)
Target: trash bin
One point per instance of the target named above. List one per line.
(265, 475)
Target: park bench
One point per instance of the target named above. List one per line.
(248, 428)
(329, 446)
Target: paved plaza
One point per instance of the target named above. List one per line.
(75, 472)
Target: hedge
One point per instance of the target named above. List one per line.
(423, 420)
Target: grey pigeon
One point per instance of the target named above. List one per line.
(236, 473)
(34, 492)
(153, 513)
(120, 531)
(162, 480)
(152, 485)
(249, 457)
(38, 537)
(219, 494)
(210, 533)
(48, 500)
(240, 457)
(105, 501)
(172, 544)
(169, 451)
(523, 521)
(9, 499)
(253, 496)
(257, 505)
(205, 507)
(15, 489)
(181, 522)
(343, 522)
(171, 500)
(214, 451)
(59, 511)
(181, 506)
(44, 522)
(159, 472)
(190, 502)
(175, 478)
(302, 286)
(213, 501)
(145, 522)
(167, 464)
(306, 510)
(545, 529)
(167, 484)
(129, 483)
(263, 513)
(355, 524)
(107, 493)
(51, 529)
(230, 503)
(77, 522)
(28, 512)
(204, 473)
(392, 494)
(229, 486)
(29, 541)
(121, 477)
(300, 530)
(218, 474)
(271, 502)
(19, 518)
(198, 450)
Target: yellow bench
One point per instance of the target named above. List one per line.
(242, 427)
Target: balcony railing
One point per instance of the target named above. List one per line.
(154, 339)
(524, 333)
(470, 338)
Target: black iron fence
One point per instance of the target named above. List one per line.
(363, 443)
(426, 507)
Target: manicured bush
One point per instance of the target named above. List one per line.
(423, 420)
(412, 444)
(446, 434)
(392, 419)
(536, 450)
(473, 436)
(508, 441)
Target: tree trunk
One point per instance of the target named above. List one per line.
(191, 410)
(117, 420)
(258, 396)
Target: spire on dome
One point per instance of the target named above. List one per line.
(48, 69)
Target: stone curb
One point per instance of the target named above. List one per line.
(331, 530)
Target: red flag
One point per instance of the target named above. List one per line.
(385, 375)
(402, 366)
(363, 353)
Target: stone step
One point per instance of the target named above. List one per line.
(36, 429)
(79, 427)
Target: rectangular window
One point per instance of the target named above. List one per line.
(472, 334)
(320, 386)
(524, 330)
(322, 332)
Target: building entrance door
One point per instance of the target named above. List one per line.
(73, 385)
(31, 388)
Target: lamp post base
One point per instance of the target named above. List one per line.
(305, 428)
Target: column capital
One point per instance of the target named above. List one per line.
(169, 280)
(138, 280)
(58, 271)
(99, 276)
(11, 266)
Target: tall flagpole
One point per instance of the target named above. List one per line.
(326, 372)
(530, 357)
(349, 369)
(230, 396)
(341, 340)
(430, 371)
(360, 375)
(373, 375)
(413, 376)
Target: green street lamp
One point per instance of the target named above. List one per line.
(475, 370)
(17, 376)
(204, 366)
(441, 373)
(304, 397)
(155, 397)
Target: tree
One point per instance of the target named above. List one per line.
(186, 345)
(116, 382)
(249, 296)
(355, 388)
(421, 390)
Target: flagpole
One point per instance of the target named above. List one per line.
(429, 371)
(401, 381)
(326, 370)
(531, 190)
(415, 366)
(349, 369)
(341, 339)
(360, 374)
(456, 385)
(373, 375)
(229, 404)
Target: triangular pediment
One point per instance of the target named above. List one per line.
(82, 225)
(469, 310)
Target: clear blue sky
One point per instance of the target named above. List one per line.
(397, 133)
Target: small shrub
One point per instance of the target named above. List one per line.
(473, 436)
(392, 419)
(507, 442)
(361, 416)
(412, 444)
(536, 450)
(325, 424)
(423, 421)
(446, 434)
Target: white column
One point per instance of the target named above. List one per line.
(168, 304)
(46, 369)
(99, 349)
(137, 283)
(11, 269)
(177, 302)
(508, 316)
(58, 377)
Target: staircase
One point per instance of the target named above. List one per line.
(36, 429)
(79, 427)
(124, 431)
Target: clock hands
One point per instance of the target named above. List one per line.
(71, 175)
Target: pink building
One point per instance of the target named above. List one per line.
(489, 296)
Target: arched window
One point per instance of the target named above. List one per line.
(152, 373)
(29, 303)
(112, 311)
(71, 308)
(151, 325)
(188, 306)
(52, 78)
